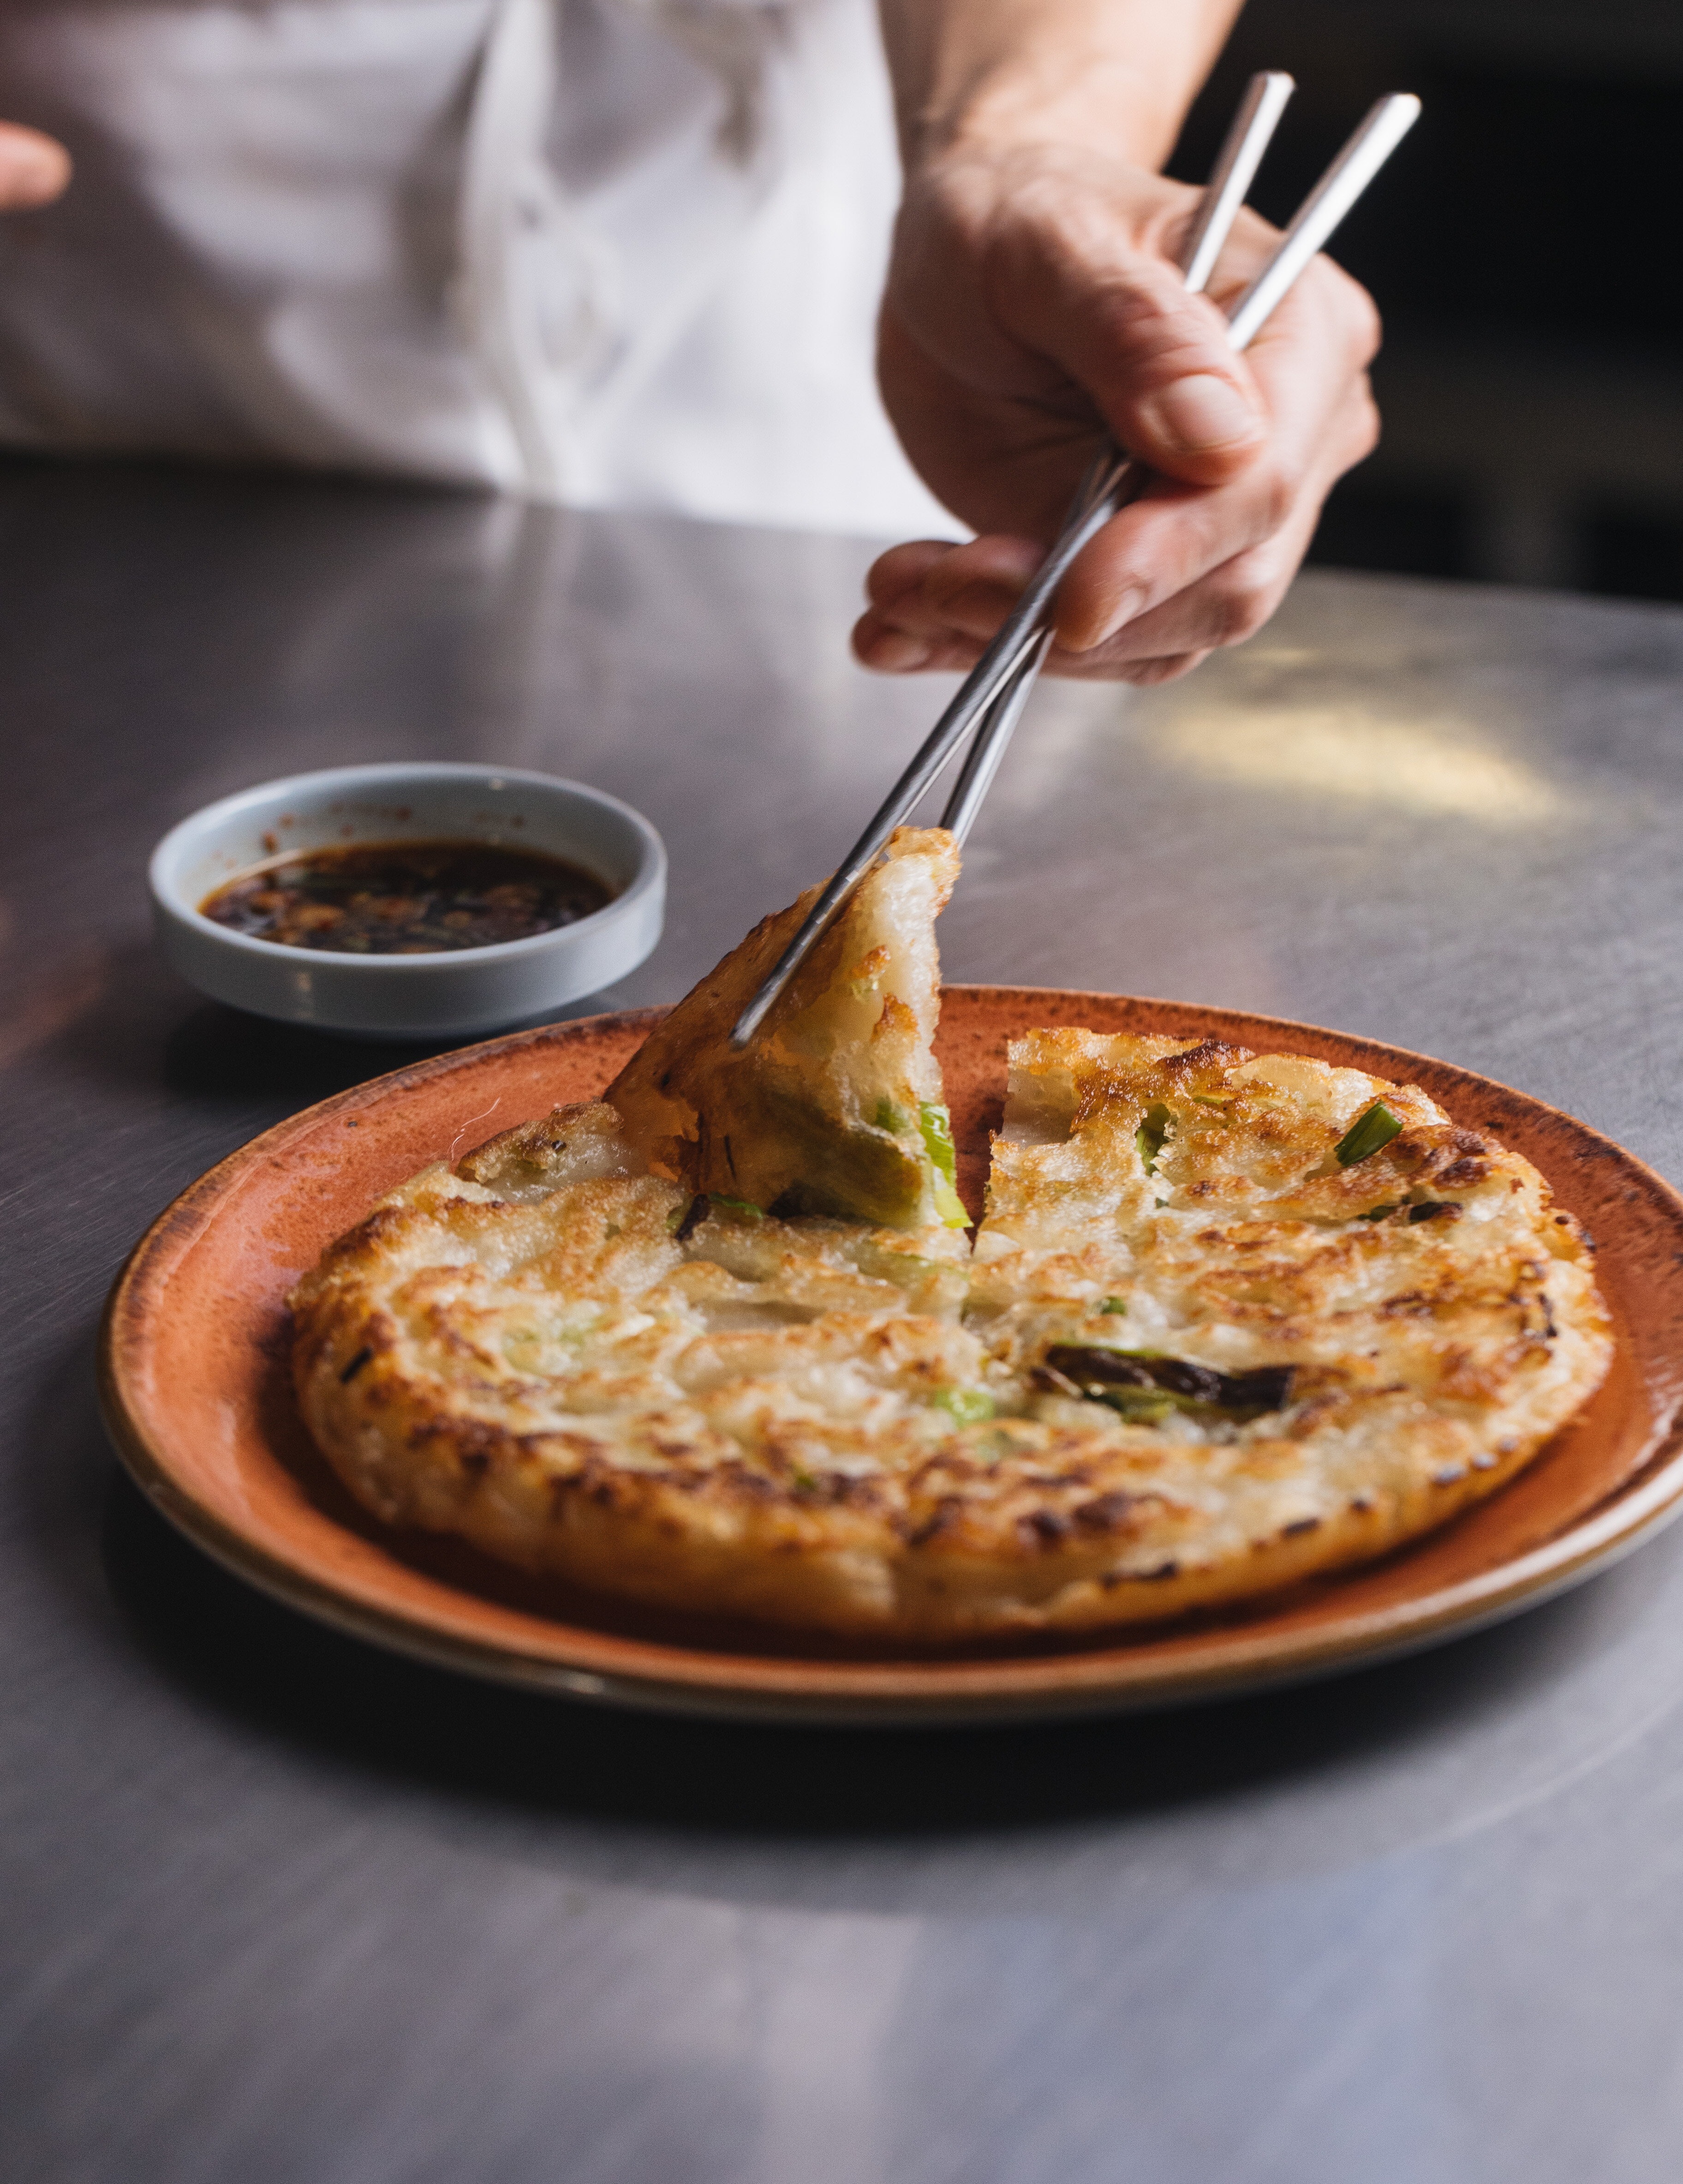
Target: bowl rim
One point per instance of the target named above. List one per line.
(651, 873)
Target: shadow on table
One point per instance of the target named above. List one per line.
(300, 1681)
(140, 1026)
(215, 1053)
(223, 1054)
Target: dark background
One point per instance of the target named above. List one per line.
(1522, 247)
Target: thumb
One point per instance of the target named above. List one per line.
(1156, 364)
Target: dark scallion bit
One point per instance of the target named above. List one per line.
(1134, 1381)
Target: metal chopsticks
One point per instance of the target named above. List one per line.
(1019, 646)
(998, 686)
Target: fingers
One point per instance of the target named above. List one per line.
(879, 644)
(1076, 307)
(1180, 572)
(1228, 605)
(1143, 673)
(935, 604)
(1197, 562)
(34, 168)
(972, 588)
(890, 652)
(1309, 365)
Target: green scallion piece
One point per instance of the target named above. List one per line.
(936, 1124)
(965, 1406)
(741, 1207)
(1367, 1134)
(1151, 1135)
(1114, 1304)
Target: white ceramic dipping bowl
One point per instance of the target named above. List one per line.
(450, 994)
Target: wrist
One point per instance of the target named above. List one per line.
(1094, 101)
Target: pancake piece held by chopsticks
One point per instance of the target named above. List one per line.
(836, 1107)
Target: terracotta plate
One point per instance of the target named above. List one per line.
(193, 1367)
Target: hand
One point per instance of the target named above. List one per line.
(34, 168)
(1033, 300)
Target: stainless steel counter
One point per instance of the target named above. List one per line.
(277, 1907)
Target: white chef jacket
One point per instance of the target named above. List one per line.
(609, 253)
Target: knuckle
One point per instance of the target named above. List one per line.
(1275, 489)
(1238, 600)
(1365, 429)
(1169, 669)
(1367, 331)
(1364, 328)
(1347, 310)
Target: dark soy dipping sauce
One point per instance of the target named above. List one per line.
(406, 898)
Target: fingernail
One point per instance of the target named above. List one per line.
(1202, 413)
(894, 653)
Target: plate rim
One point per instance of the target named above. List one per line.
(686, 1679)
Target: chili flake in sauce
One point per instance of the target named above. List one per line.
(406, 898)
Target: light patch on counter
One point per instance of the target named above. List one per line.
(1439, 767)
